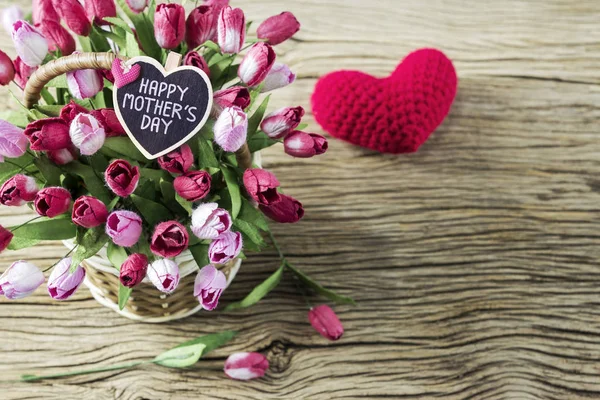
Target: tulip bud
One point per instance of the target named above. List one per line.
(22, 72)
(20, 280)
(97, 10)
(70, 111)
(137, 6)
(231, 129)
(225, 248)
(62, 284)
(5, 238)
(209, 221)
(62, 156)
(43, 10)
(164, 274)
(324, 320)
(193, 186)
(208, 286)
(122, 178)
(7, 69)
(287, 210)
(169, 25)
(48, 134)
(278, 28)
(256, 64)
(52, 201)
(201, 25)
(133, 270)
(235, 96)
(30, 44)
(124, 227)
(10, 15)
(86, 134)
(58, 37)
(178, 161)
(89, 212)
(109, 121)
(245, 366)
(279, 76)
(304, 145)
(18, 190)
(231, 30)
(85, 83)
(262, 186)
(281, 122)
(169, 239)
(73, 13)
(194, 59)
(13, 142)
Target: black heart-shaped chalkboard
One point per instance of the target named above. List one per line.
(161, 110)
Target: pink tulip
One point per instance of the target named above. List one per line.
(29, 43)
(137, 6)
(87, 134)
(7, 69)
(62, 284)
(124, 227)
(48, 134)
(164, 274)
(62, 156)
(278, 28)
(178, 161)
(286, 211)
(225, 248)
(89, 212)
(10, 15)
(231, 30)
(261, 185)
(209, 284)
(169, 239)
(304, 145)
(18, 190)
(109, 121)
(169, 25)
(235, 96)
(13, 142)
(52, 201)
(122, 177)
(20, 280)
(231, 129)
(279, 76)
(256, 64)
(201, 25)
(209, 221)
(194, 59)
(22, 72)
(193, 185)
(324, 320)
(58, 37)
(246, 366)
(217, 4)
(281, 122)
(43, 10)
(85, 83)
(97, 10)
(70, 111)
(133, 270)
(73, 13)
(5, 238)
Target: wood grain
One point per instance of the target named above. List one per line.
(474, 261)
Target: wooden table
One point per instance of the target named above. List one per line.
(473, 261)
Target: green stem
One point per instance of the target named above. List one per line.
(276, 246)
(25, 223)
(65, 256)
(30, 378)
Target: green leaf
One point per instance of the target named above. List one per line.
(120, 23)
(212, 46)
(47, 229)
(132, 48)
(206, 154)
(145, 33)
(200, 253)
(49, 170)
(251, 214)
(180, 357)
(18, 243)
(7, 170)
(91, 242)
(58, 82)
(328, 293)
(301, 126)
(259, 292)
(110, 206)
(260, 141)
(187, 205)
(168, 194)
(211, 341)
(250, 232)
(124, 293)
(152, 212)
(234, 190)
(256, 118)
(92, 181)
(116, 255)
(126, 9)
(124, 146)
(51, 111)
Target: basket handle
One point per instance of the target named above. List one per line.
(74, 62)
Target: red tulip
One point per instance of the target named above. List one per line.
(57, 37)
(194, 59)
(48, 134)
(7, 69)
(18, 190)
(288, 210)
(256, 64)
(73, 13)
(109, 121)
(324, 320)
(133, 270)
(201, 25)
(262, 186)
(304, 145)
(5, 238)
(235, 96)
(169, 25)
(245, 366)
(122, 177)
(193, 186)
(178, 161)
(43, 10)
(231, 30)
(89, 212)
(169, 239)
(52, 201)
(22, 72)
(97, 10)
(70, 111)
(278, 28)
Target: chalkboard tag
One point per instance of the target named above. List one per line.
(164, 107)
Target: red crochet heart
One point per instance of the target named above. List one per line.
(391, 115)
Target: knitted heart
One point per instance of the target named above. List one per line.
(391, 115)
(124, 75)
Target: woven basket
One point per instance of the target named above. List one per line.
(146, 303)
